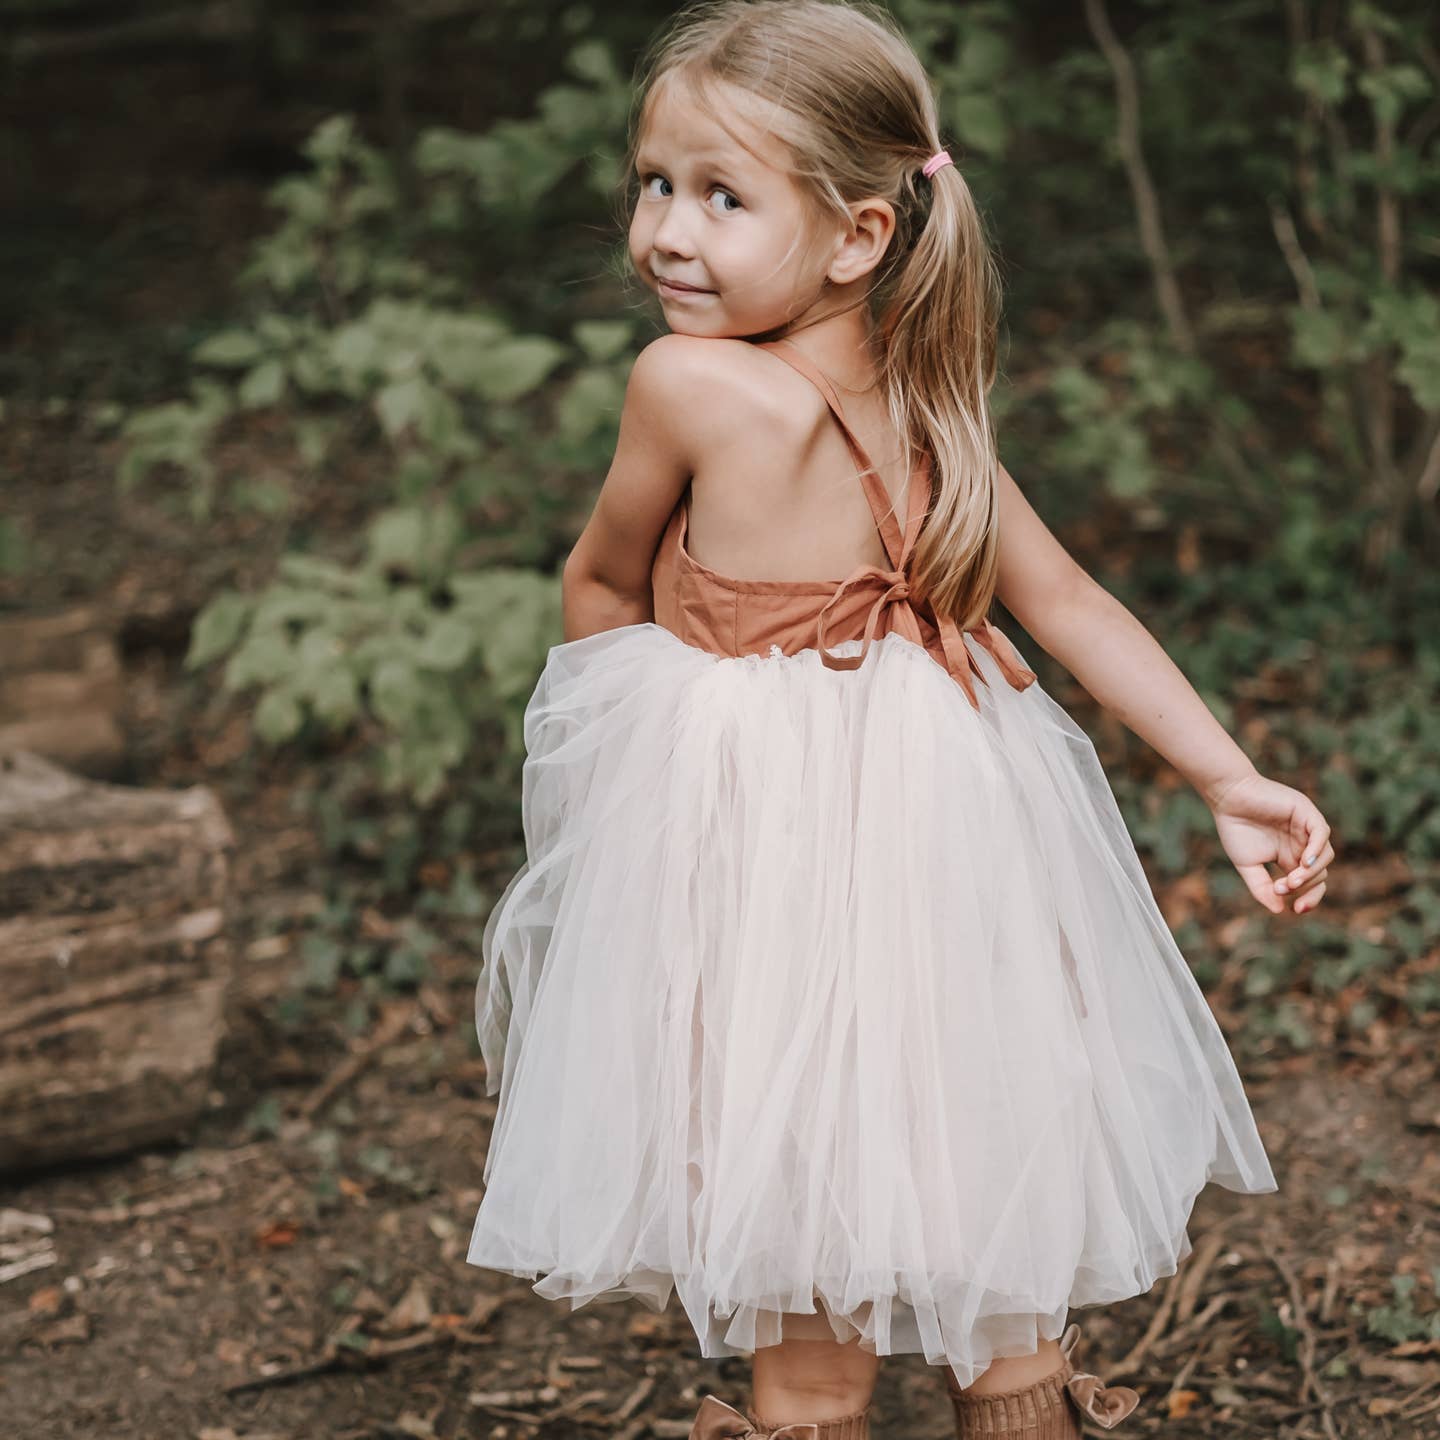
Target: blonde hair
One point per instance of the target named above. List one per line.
(855, 109)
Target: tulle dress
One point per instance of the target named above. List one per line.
(832, 981)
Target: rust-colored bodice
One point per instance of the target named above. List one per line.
(728, 616)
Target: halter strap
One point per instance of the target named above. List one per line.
(894, 585)
(897, 546)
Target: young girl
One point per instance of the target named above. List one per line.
(832, 994)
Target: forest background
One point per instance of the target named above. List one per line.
(317, 339)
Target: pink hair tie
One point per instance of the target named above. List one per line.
(939, 158)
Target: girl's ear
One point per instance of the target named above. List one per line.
(860, 251)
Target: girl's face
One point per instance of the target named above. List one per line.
(713, 216)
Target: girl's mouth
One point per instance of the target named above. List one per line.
(668, 288)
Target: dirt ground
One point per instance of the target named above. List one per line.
(295, 1268)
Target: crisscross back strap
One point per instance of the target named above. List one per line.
(897, 545)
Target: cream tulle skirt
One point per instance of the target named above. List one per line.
(822, 991)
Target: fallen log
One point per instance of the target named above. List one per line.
(114, 961)
(60, 689)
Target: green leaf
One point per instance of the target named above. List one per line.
(447, 645)
(331, 138)
(405, 966)
(984, 58)
(231, 350)
(590, 404)
(278, 716)
(1321, 340)
(334, 693)
(602, 339)
(519, 615)
(1130, 473)
(265, 658)
(459, 348)
(355, 349)
(1321, 71)
(980, 123)
(591, 60)
(394, 692)
(401, 404)
(263, 386)
(1390, 89)
(396, 540)
(320, 958)
(515, 367)
(217, 627)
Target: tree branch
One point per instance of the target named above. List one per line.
(1295, 256)
(1142, 188)
(1427, 486)
(1387, 241)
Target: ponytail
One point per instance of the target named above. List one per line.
(939, 324)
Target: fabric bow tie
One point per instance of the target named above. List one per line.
(1106, 1405)
(896, 595)
(716, 1420)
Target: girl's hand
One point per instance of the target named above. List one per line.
(1260, 821)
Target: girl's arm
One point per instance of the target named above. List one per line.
(1260, 821)
(606, 579)
(1108, 650)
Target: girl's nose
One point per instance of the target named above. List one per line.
(672, 234)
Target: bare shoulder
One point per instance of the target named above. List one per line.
(679, 404)
(701, 391)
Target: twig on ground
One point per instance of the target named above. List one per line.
(1311, 1381)
(390, 1028)
(1196, 1272)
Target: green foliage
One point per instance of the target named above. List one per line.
(512, 168)
(359, 333)
(1386, 780)
(177, 433)
(15, 546)
(1401, 1321)
(1307, 218)
(358, 346)
(380, 1162)
(401, 645)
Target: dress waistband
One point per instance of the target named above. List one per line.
(896, 598)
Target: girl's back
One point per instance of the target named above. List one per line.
(738, 615)
(776, 495)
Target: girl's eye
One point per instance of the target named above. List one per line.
(724, 194)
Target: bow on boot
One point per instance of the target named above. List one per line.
(716, 1420)
(1106, 1405)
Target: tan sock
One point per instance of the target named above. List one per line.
(1040, 1410)
(855, 1426)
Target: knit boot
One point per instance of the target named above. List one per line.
(1047, 1409)
(718, 1421)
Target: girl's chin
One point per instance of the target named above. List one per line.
(683, 325)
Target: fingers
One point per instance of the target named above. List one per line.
(1317, 837)
(1258, 881)
(1305, 896)
(1297, 878)
(1316, 853)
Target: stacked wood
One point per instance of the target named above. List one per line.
(60, 689)
(114, 961)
